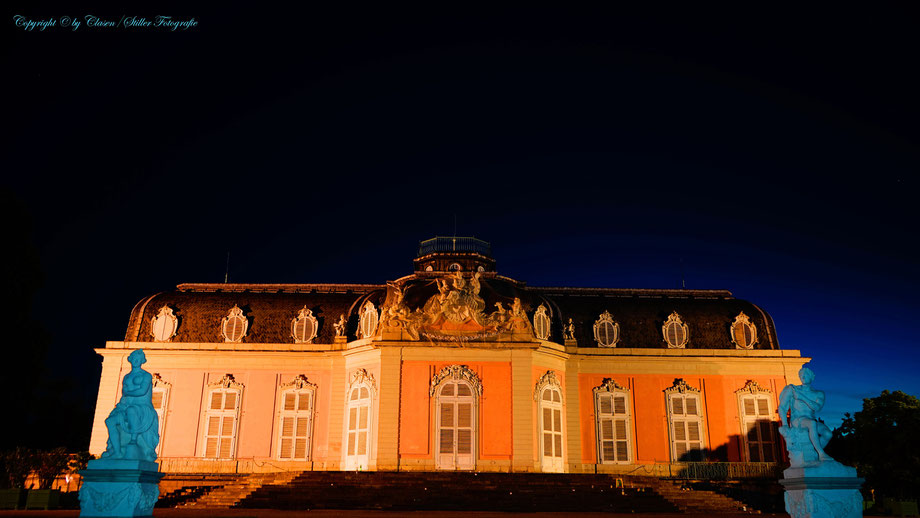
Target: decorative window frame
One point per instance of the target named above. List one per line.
(305, 314)
(546, 380)
(753, 389)
(170, 320)
(743, 320)
(541, 318)
(606, 318)
(159, 385)
(365, 328)
(226, 384)
(674, 318)
(235, 313)
(459, 374)
(361, 378)
(455, 372)
(298, 385)
(681, 389)
(611, 388)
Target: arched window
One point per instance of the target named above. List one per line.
(685, 422)
(296, 419)
(675, 331)
(758, 428)
(548, 394)
(164, 325)
(367, 325)
(359, 420)
(454, 267)
(611, 407)
(541, 323)
(457, 390)
(221, 418)
(744, 334)
(160, 399)
(233, 326)
(606, 331)
(304, 327)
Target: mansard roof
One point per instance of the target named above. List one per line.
(270, 308)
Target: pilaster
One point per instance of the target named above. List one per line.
(522, 405)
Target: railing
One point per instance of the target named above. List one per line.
(454, 244)
(726, 470)
(699, 470)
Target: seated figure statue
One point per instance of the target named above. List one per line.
(133, 424)
(805, 435)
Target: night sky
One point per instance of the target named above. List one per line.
(773, 154)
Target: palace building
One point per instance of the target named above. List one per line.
(453, 367)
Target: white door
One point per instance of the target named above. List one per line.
(456, 430)
(551, 430)
(357, 435)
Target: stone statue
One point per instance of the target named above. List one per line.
(569, 331)
(133, 424)
(340, 326)
(802, 402)
(816, 486)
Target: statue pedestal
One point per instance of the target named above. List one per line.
(119, 488)
(822, 490)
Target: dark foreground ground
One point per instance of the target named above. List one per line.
(339, 513)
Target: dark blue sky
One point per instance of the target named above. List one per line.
(771, 154)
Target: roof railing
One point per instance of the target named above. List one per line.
(454, 244)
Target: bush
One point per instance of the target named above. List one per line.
(49, 464)
(17, 464)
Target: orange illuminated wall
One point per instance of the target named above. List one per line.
(649, 416)
(416, 410)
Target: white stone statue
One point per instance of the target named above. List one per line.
(340, 326)
(123, 483)
(816, 485)
(133, 424)
(569, 331)
(802, 402)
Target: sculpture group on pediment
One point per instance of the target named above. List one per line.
(457, 311)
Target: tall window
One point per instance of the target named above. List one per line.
(163, 326)
(758, 428)
(613, 423)
(233, 326)
(456, 389)
(606, 331)
(160, 398)
(304, 327)
(296, 419)
(675, 331)
(744, 334)
(221, 419)
(548, 394)
(367, 324)
(358, 415)
(541, 323)
(685, 422)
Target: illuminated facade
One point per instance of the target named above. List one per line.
(453, 367)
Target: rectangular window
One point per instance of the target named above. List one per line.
(758, 428)
(221, 424)
(296, 424)
(686, 428)
(613, 427)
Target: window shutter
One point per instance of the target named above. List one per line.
(691, 405)
(619, 405)
(677, 405)
(230, 401)
(289, 401)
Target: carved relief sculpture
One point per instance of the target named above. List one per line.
(455, 314)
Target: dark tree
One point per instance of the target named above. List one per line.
(881, 442)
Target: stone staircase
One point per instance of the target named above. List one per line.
(229, 495)
(464, 491)
(460, 491)
(690, 500)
